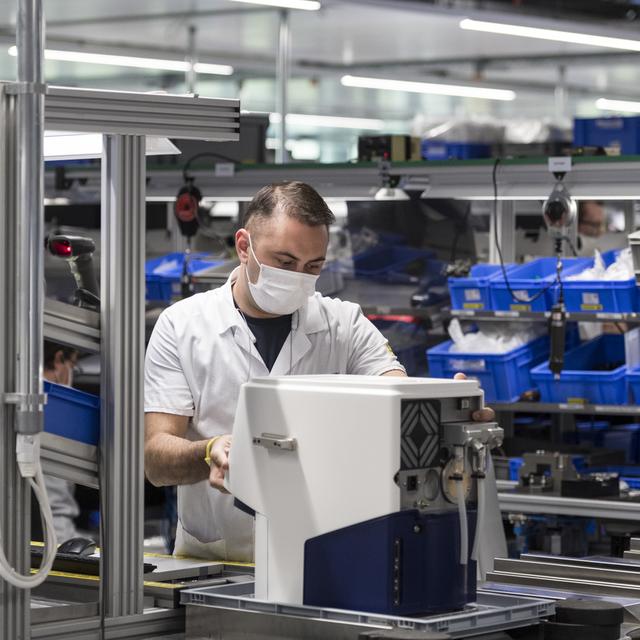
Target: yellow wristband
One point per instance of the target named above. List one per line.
(207, 451)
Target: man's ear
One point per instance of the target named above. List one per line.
(242, 245)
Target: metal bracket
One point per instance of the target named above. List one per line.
(20, 88)
(25, 398)
(272, 441)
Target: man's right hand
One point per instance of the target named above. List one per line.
(219, 462)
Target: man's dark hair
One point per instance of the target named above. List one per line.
(50, 350)
(296, 199)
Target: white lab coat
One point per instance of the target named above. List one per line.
(200, 354)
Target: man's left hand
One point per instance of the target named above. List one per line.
(483, 415)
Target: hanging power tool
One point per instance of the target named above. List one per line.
(78, 252)
(559, 212)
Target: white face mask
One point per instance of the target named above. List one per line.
(279, 291)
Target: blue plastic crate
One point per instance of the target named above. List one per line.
(633, 380)
(473, 292)
(580, 382)
(528, 281)
(396, 263)
(503, 377)
(71, 413)
(626, 438)
(441, 150)
(162, 275)
(612, 296)
(617, 131)
(592, 432)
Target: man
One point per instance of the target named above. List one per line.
(266, 320)
(591, 226)
(59, 362)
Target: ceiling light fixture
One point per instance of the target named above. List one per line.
(618, 105)
(67, 145)
(132, 61)
(305, 5)
(462, 91)
(556, 35)
(337, 122)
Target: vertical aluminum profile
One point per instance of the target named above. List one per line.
(282, 84)
(122, 332)
(14, 491)
(30, 216)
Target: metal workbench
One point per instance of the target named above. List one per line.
(231, 612)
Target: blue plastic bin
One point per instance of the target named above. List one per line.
(440, 150)
(528, 281)
(473, 292)
(625, 437)
(612, 296)
(163, 284)
(396, 263)
(580, 382)
(591, 432)
(503, 377)
(633, 380)
(71, 413)
(617, 131)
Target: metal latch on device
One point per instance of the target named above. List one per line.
(272, 441)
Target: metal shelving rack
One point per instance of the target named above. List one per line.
(117, 332)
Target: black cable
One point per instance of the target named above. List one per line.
(499, 249)
(204, 154)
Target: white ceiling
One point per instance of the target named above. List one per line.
(343, 33)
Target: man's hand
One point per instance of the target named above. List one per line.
(484, 415)
(219, 462)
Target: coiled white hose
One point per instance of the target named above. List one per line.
(7, 572)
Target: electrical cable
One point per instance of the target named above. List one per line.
(7, 572)
(204, 154)
(499, 249)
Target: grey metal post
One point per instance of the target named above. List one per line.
(23, 283)
(191, 59)
(14, 492)
(122, 331)
(505, 219)
(30, 214)
(282, 82)
(629, 208)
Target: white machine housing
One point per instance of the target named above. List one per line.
(314, 454)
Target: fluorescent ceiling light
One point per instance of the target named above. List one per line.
(131, 61)
(618, 105)
(65, 145)
(305, 5)
(306, 120)
(550, 34)
(461, 91)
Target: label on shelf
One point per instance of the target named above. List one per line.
(478, 306)
(520, 307)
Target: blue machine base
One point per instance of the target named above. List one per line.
(406, 563)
